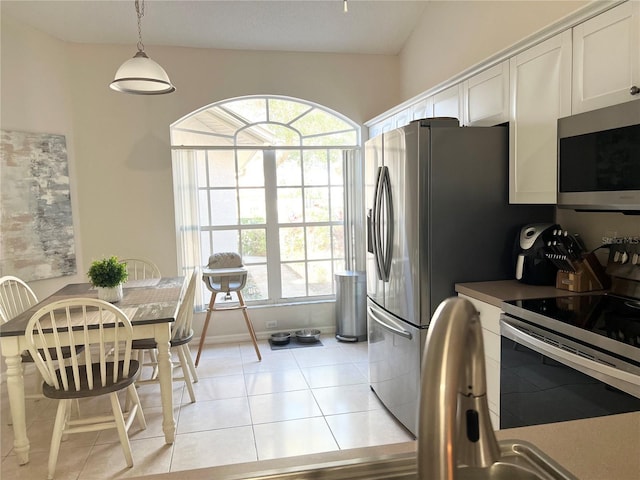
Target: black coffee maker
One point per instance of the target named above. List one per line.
(532, 265)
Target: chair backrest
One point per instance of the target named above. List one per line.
(15, 297)
(225, 272)
(141, 269)
(182, 328)
(48, 335)
(225, 260)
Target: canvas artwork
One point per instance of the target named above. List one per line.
(36, 226)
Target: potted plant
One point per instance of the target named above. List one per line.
(108, 275)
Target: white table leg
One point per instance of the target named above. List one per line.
(165, 374)
(15, 388)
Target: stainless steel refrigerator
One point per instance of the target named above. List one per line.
(437, 214)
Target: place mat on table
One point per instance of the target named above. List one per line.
(142, 282)
(145, 296)
(293, 343)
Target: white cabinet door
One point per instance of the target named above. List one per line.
(486, 97)
(540, 94)
(381, 127)
(422, 109)
(606, 58)
(448, 103)
(401, 118)
(375, 130)
(490, 321)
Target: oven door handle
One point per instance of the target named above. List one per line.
(620, 379)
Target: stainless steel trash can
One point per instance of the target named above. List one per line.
(351, 303)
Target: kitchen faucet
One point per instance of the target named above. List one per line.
(454, 426)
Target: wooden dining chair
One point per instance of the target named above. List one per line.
(181, 335)
(91, 371)
(141, 269)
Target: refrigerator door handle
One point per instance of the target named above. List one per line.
(376, 225)
(386, 186)
(388, 324)
(370, 247)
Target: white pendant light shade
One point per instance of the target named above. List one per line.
(142, 76)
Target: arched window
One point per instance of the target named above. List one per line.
(264, 176)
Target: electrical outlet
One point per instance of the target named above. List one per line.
(271, 324)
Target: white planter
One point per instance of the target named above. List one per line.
(110, 294)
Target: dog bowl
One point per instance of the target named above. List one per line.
(280, 338)
(308, 336)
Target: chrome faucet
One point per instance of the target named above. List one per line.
(454, 427)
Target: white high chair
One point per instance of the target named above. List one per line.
(225, 273)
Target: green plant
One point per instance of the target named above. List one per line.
(108, 272)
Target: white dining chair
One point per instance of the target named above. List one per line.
(92, 371)
(17, 297)
(141, 269)
(181, 335)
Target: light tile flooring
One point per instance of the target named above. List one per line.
(296, 401)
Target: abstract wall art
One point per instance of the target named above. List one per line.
(36, 225)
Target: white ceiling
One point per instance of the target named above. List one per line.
(370, 26)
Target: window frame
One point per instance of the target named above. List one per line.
(272, 227)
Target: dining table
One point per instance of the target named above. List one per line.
(151, 305)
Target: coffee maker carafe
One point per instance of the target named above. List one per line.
(532, 265)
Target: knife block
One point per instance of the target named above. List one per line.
(589, 275)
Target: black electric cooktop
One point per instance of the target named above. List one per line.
(611, 316)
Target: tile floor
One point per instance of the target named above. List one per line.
(296, 401)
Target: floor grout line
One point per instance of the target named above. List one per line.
(305, 365)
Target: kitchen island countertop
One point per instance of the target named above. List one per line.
(602, 448)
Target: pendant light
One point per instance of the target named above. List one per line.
(140, 75)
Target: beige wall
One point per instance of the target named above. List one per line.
(122, 141)
(118, 145)
(35, 96)
(455, 35)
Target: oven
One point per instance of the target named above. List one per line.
(568, 358)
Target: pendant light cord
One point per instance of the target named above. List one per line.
(140, 13)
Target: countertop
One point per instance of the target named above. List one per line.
(602, 448)
(498, 291)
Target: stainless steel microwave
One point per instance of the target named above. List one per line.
(599, 159)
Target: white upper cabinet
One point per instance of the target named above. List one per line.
(606, 58)
(422, 109)
(540, 94)
(486, 97)
(401, 118)
(448, 103)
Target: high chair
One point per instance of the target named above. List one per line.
(225, 273)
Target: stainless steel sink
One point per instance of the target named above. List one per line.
(518, 461)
